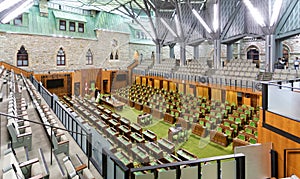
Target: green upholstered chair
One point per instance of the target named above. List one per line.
(241, 137)
(219, 129)
(248, 130)
(252, 140)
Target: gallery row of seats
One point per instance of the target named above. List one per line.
(166, 66)
(58, 138)
(143, 67)
(19, 165)
(285, 74)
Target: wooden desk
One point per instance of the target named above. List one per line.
(101, 108)
(166, 145)
(117, 105)
(125, 121)
(105, 118)
(124, 159)
(137, 138)
(141, 117)
(107, 112)
(113, 123)
(169, 118)
(124, 143)
(124, 130)
(149, 136)
(184, 123)
(138, 106)
(147, 109)
(154, 150)
(173, 131)
(157, 113)
(101, 125)
(136, 128)
(170, 158)
(185, 155)
(112, 133)
(140, 155)
(116, 116)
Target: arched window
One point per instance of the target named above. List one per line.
(22, 57)
(252, 53)
(117, 55)
(89, 57)
(61, 57)
(111, 56)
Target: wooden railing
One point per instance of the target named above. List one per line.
(17, 70)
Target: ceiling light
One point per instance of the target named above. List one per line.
(216, 18)
(168, 27)
(275, 13)
(255, 13)
(7, 4)
(16, 12)
(177, 23)
(201, 21)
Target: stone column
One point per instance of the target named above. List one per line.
(217, 53)
(172, 53)
(270, 53)
(196, 52)
(182, 53)
(229, 52)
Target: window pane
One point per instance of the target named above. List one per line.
(62, 25)
(80, 27)
(25, 63)
(18, 20)
(72, 26)
(19, 62)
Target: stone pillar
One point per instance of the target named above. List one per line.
(217, 53)
(239, 50)
(229, 52)
(172, 53)
(270, 53)
(182, 53)
(196, 52)
(279, 49)
(158, 54)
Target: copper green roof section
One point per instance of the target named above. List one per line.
(112, 22)
(35, 24)
(69, 16)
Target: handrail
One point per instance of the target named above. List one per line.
(275, 83)
(190, 162)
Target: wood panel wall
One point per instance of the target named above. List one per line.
(144, 81)
(156, 83)
(216, 94)
(181, 88)
(138, 80)
(84, 79)
(117, 82)
(202, 91)
(17, 70)
(231, 96)
(60, 91)
(172, 86)
(280, 142)
(165, 85)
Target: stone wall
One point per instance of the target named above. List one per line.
(42, 51)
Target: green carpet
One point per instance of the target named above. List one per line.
(203, 148)
(160, 129)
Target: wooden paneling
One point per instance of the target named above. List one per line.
(106, 77)
(119, 79)
(89, 79)
(166, 85)
(150, 82)
(280, 142)
(157, 83)
(17, 70)
(138, 80)
(181, 87)
(231, 96)
(172, 86)
(144, 81)
(216, 94)
(66, 89)
(202, 91)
